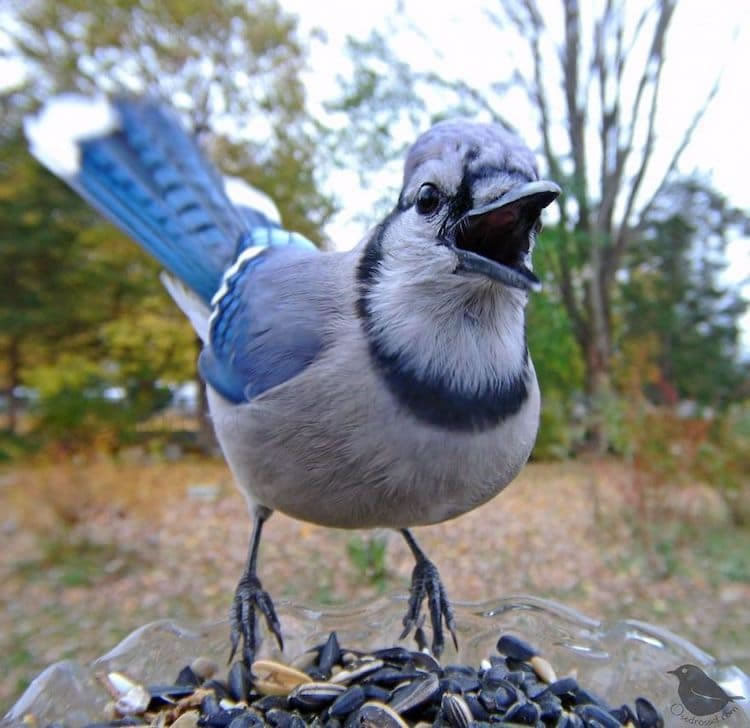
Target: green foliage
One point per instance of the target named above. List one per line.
(558, 363)
(726, 555)
(82, 311)
(558, 435)
(76, 562)
(619, 266)
(674, 295)
(232, 68)
(367, 554)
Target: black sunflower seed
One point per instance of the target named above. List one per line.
(186, 676)
(512, 646)
(648, 716)
(563, 685)
(494, 676)
(220, 718)
(246, 719)
(239, 681)
(477, 709)
(330, 654)
(415, 694)
(522, 712)
(593, 712)
(398, 655)
(584, 697)
(353, 699)
(271, 702)
(456, 711)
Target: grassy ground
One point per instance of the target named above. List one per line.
(93, 550)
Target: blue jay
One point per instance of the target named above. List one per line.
(387, 386)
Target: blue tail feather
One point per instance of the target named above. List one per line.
(132, 160)
(150, 178)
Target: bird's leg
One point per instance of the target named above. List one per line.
(249, 597)
(425, 582)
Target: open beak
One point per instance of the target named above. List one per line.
(494, 240)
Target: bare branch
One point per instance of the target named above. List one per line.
(538, 92)
(576, 115)
(639, 26)
(463, 89)
(651, 77)
(623, 235)
(678, 152)
(652, 69)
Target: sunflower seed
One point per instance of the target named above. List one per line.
(543, 669)
(512, 646)
(330, 654)
(239, 681)
(274, 678)
(592, 712)
(378, 715)
(415, 694)
(456, 711)
(522, 712)
(315, 695)
(353, 699)
(356, 689)
(648, 716)
(357, 670)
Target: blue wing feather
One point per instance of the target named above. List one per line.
(253, 347)
(148, 175)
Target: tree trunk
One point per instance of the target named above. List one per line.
(598, 388)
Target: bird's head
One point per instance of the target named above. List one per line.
(469, 210)
(687, 672)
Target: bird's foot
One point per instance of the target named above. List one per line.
(249, 597)
(425, 582)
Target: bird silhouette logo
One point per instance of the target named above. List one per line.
(699, 693)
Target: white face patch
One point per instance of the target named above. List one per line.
(55, 133)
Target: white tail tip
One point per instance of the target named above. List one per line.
(63, 122)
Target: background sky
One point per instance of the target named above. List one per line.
(706, 39)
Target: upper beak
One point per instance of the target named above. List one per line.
(538, 194)
(495, 239)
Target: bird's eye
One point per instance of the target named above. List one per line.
(428, 199)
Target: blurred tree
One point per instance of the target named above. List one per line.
(34, 251)
(558, 362)
(233, 69)
(592, 81)
(674, 293)
(81, 309)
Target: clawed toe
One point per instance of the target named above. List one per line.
(425, 582)
(250, 598)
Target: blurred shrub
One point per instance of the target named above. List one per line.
(724, 459)
(558, 435)
(80, 406)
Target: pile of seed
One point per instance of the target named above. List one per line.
(332, 687)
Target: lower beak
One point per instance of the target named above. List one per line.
(495, 240)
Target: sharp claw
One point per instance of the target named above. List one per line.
(249, 597)
(426, 583)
